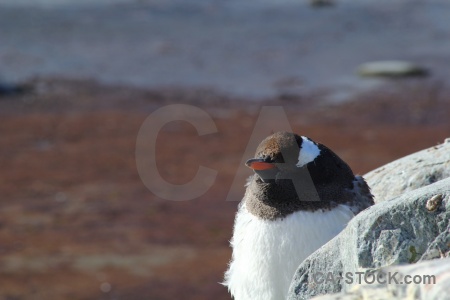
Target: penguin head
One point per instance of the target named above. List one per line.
(282, 153)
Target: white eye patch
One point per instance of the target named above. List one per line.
(308, 152)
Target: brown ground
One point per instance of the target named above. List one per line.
(76, 222)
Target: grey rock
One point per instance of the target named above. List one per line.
(410, 172)
(438, 287)
(391, 68)
(397, 231)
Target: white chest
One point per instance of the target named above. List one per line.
(267, 253)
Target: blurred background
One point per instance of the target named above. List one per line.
(368, 78)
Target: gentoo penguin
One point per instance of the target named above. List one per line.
(300, 196)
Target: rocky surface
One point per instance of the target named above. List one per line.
(430, 288)
(410, 172)
(411, 227)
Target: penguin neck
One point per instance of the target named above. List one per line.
(272, 201)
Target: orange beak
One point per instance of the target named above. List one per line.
(259, 164)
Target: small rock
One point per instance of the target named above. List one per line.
(391, 68)
(434, 202)
(321, 3)
(7, 89)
